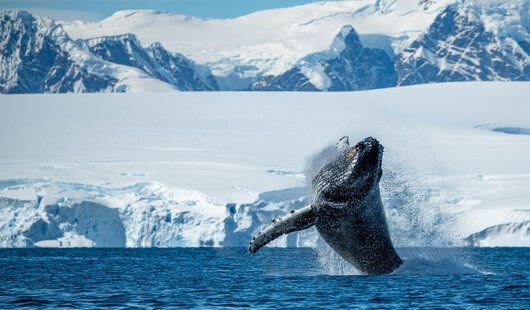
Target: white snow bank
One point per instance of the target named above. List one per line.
(208, 163)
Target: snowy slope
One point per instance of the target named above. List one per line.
(176, 169)
(38, 56)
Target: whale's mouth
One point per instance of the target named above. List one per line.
(351, 175)
(352, 153)
(364, 169)
(365, 157)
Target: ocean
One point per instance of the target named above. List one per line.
(273, 278)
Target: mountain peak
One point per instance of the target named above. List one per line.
(16, 14)
(347, 37)
(17, 19)
(345, 31)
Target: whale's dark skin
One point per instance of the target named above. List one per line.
(347, 210)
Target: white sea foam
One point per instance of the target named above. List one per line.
(424, 266)
(418, 261)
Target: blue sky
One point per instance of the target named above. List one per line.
(97, 9)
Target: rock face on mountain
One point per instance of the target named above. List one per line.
(466, 42)
(156, 61)
(462, 46)
(37, 56)
(357, 67)
(347, 65)
(291, 80)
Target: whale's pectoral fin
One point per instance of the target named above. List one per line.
(293, 221)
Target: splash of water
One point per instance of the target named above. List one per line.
(424, 266)
(415, 212)
(415, 216)
(331, 263)
(435, 261)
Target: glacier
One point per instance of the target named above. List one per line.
(173, 169)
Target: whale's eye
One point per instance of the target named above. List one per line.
(351, 153)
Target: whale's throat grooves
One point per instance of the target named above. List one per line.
(359, 234)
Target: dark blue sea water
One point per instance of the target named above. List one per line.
(290, 278)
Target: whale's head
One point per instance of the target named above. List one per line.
(350, 175)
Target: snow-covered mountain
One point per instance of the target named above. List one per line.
(268, 43)
(468, 41)
(346, 66)
(38, 56)
(329, 46)
(155, 60)
(473, 41)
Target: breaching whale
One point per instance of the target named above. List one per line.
(346, 209)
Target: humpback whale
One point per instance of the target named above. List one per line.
(346, 209)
